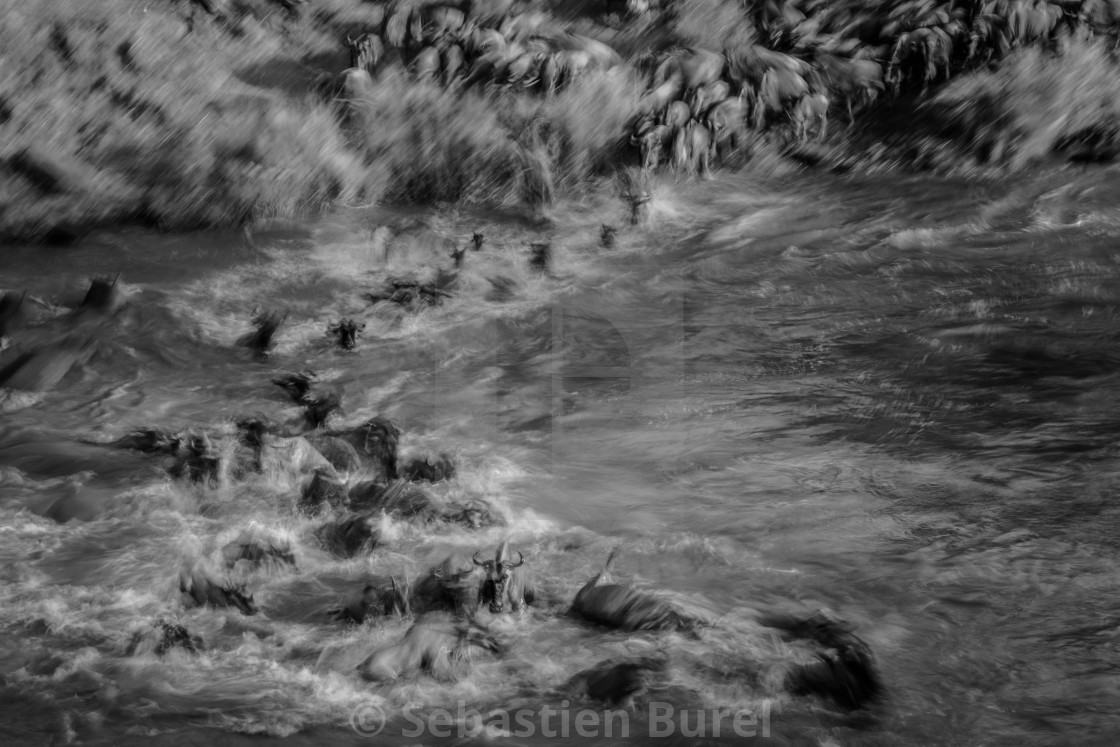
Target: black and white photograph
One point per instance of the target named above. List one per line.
(518, 373)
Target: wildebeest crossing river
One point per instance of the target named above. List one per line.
(892, 399)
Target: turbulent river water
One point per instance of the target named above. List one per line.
(895, 399)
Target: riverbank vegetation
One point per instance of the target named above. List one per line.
(194, 113)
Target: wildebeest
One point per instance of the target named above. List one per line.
(676, 116)
(397, 499)
(11, 311)
(426, 64)
(161, 637)
(457, 256)
(430, 469)
(355, 534)
(449, 586)
(478, 237)
(651, 143)
(297, 385)
(627, 608)
(381, 596)
(779, 89)
(324, 486)
(198, 459)
(266, 322)
(692, 150)
(150, 441)
(433, 645)
(104, 295)
(851, 79)
(365, 52)
(616, 682)
(473, 514)
(727, 123)
(540, 256)
(346, 333)
(606, 235)
(812, 108)
(269, 552)
(845, 671)
(377, 439)
(205, 588)
(453, 61)
(410, 294)
(504, 581)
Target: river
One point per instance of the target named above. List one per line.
(893, 398)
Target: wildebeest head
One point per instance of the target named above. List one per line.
(606, 235)
(457, 256)
(378, 438)
(478, 238)
(473, 515)
(297, 385)
(500, 582)
(449, 586)
(317, 407)
(540, 256)
(346, 332)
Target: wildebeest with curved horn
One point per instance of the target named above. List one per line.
(627, 608)
(505, 581)
(431, 645)
(429, 469)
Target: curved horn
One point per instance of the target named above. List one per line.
(520, 560)
(475, 558)
(349, 41)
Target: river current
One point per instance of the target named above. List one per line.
(895, 399)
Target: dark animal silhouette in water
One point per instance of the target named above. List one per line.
(150, 441)
(257, 552)
(627, 608)
(11, 312)
(410, 294)
(478, 238)
(615, 682)
(844, 672)
(457, 256)
(397, 499)
(432, 645)
(505, 581)
(355, 534)
(540, 256)
(346, 333)
(450, 586)
(266, 322)
(104, 295)
(381, 596)
(378, 440)
(206, 588)
(322, 487)
(198, 460)
(43, 368)
(430, 469)
(297, 385)
(606, 235)
(319, 406)
(161, 638)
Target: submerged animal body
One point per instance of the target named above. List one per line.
(380, 596)
(204, 587)
(433, 645)
(628, 608)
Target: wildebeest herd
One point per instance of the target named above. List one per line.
(704, 105)
(352, 479)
